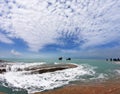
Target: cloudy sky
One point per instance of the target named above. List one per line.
(76, 28)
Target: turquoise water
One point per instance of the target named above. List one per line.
(103, 65)
(107, 68)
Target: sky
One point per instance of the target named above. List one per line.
(52, 28)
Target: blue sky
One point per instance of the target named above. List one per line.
(52, 28)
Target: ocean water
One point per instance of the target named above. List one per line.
(22, 82)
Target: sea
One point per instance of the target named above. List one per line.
(22, 82)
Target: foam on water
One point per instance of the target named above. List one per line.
(100, 77)
(45, 81)
(22, 66)
(117, 71)
(118, 62)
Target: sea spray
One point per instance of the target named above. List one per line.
(21, 66)
(45, 81)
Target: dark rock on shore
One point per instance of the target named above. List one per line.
(42, 68)
(60, 58)
(3, 66)
(2, 61)
(68, 59)
(54, 68)
(2, 70)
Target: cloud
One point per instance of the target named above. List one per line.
(112, 52)
(69, 51)
(15, 53)
(106, 52)
(43, 22)
(5, 39)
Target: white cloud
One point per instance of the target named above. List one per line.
(15, 53)
(5, 39)
(40, 22)
(112, 52)
(69, 51)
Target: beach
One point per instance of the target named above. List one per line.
(108, 87)
(2, 93)
(53, 77)
(59, 46)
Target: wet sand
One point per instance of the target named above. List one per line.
(96, 88)
(2, 93)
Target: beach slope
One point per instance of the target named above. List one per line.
(99, 88)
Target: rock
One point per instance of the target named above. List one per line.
(2, 61)
(106, 59)
(2, 70)
(3, 67)
(60, 58)
(68, 59)
(42, 68)
(54, 68)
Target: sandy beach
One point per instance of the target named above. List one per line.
(97, 88)
(40, 78)
(109, 87)
(2, 93)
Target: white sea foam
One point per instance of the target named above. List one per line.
(22, 66)
(118, 71)
(45, 81)
(118, 62)
(100, 76)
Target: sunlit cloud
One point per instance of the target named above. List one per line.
(43, 22)
(5, 39)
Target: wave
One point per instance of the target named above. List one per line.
(22, 66)
(46, 81)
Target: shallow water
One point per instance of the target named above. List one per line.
(87, 71)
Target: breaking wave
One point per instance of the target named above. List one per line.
(45, 81)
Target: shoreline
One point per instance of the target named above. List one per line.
(107, 87)
(2, 93)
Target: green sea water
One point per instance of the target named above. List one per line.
(106, 68)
